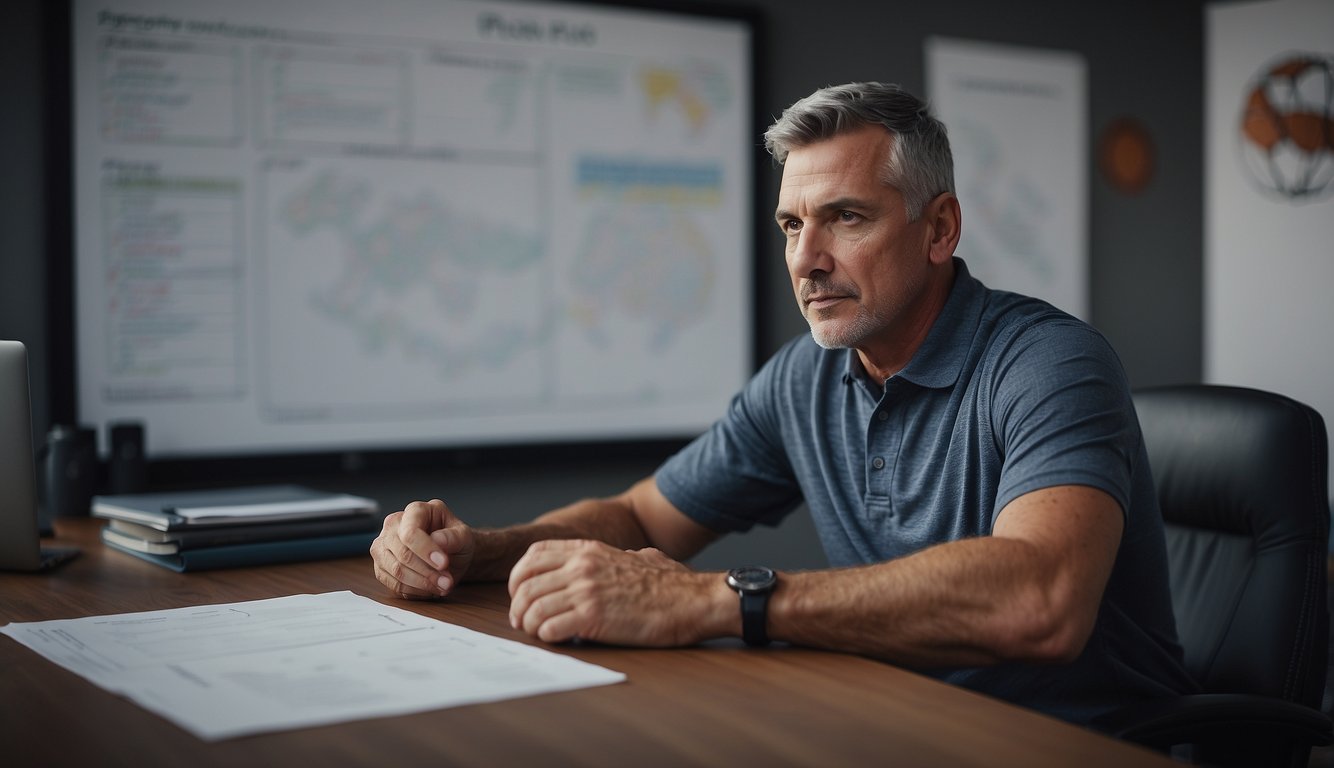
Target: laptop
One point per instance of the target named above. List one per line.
(20, 544)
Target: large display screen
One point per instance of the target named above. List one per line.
(357, 224)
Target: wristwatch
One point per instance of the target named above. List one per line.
(753, 583)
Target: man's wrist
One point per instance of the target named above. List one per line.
(496, 550)
(716, 613)
(492, 559)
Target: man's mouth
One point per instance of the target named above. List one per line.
(823, 300)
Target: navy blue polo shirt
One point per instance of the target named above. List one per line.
(1006, 395)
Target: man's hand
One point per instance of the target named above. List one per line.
(563, 590)
(423, 551)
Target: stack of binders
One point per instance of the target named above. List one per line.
(233, 527)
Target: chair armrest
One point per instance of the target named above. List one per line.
(1214, 716)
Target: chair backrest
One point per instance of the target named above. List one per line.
(1242, 479)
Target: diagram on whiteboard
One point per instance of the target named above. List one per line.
(428, 224)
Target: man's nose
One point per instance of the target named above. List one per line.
(809, 253)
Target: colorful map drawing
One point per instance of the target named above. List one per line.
(643, 248)
(699, 90)
(415, 244)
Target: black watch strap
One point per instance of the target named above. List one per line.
(755, 617)
(753, 584)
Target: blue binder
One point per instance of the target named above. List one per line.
(259, 553)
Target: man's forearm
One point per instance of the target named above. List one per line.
(1028, 592)
(955, 605)
(610, 520)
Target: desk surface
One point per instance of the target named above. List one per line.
(724, 705)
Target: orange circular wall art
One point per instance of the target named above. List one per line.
(1125, 155)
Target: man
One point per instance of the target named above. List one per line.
(971, 459)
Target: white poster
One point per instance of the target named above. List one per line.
(1269, 199)
(1018, 125)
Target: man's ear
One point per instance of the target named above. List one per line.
(943, 220)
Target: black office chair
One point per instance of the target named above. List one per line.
(1242, 479)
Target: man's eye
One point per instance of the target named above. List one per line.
(791, 225)
(848, 217)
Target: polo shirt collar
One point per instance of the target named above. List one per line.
(938, 362)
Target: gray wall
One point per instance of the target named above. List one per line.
(1146, 251)
(1145, 59)
(22, 193)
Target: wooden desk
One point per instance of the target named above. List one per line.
(723, 705)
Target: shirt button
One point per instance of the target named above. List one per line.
(883, 415)
(878, 463)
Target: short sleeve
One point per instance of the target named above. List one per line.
(738, 473)
(1061, 413)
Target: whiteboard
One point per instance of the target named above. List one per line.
(392, 224)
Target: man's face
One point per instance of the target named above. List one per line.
(859, 269)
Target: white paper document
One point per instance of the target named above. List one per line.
(221, 671)
(342, 503)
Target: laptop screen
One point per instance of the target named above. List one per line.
(20, 542)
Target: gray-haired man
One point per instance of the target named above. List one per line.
(971, 459)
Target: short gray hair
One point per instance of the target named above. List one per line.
(920, 165)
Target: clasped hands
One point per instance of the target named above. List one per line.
(560, 589)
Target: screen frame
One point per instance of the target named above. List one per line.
(61, 292)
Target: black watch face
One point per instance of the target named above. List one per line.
(751, 578)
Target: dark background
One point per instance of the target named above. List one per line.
(1145, 60)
